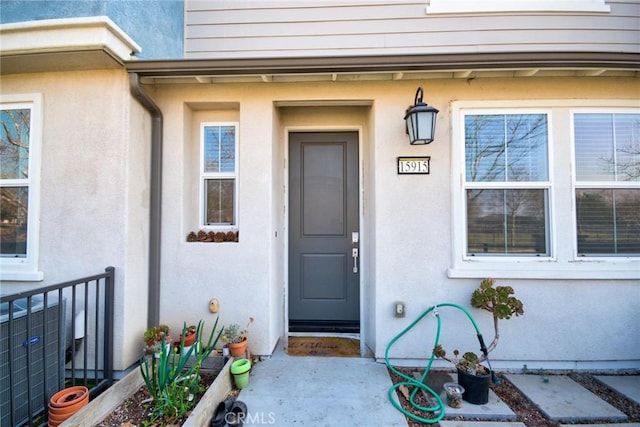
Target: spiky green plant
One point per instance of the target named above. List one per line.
(171, 382)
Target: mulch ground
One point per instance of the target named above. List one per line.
(136, 411)
(526, 412)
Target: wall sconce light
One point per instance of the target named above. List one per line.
(421, 121)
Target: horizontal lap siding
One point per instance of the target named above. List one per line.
(217, 29)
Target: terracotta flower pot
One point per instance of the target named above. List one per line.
(237, 348)
(68, 410)
(69, 396)
(54, 419)
(189, 339)
(67, 402)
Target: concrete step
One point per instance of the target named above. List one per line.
(494, 409)
(562, 399)
(601, 425)
(559, 398)
(626, 385)
(481, 424)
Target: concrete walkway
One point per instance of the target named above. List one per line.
(342, 391)
(562, 399)
(319, 391)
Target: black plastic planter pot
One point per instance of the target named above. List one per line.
(476, 387)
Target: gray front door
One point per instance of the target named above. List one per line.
(324, 268)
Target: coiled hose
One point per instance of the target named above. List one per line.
(420, 384)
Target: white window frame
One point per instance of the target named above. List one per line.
(513, 185)
(510, 6)
(563, 261)
(219, 175)
(26, 269)
(596, 184)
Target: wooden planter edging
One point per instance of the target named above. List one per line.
(202, 413)
(103, 405)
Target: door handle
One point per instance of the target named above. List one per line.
(354, 255)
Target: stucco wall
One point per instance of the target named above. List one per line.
(94, 190)
(239, 274)
(407, 223)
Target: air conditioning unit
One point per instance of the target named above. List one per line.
(33, 368)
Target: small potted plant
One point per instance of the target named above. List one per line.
(189, 336)
(154, 337)
(236, 338)
(472, 375)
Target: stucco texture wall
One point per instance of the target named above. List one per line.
(406, 229)
(94, 191)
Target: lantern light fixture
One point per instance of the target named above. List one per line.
(420, 120)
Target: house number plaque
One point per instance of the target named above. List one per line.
(413, 165)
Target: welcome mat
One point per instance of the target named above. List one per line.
(323, 346)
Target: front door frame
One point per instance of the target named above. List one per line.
(362, 246)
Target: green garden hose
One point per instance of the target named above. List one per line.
(419, 384)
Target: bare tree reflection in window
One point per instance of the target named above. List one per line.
(506, 148)
(14, 174)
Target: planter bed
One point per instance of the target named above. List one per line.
(102, 406)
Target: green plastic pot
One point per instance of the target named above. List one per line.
(240, 370)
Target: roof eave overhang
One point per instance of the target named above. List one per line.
(385, 64)
(67, 44)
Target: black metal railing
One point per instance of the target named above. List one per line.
(52, 338)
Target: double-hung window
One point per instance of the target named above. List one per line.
(607, 183)
(545, 189)
(219, 175)
(506, 184)
(19, 187)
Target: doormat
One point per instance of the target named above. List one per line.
(323, 346)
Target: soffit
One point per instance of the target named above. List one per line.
(400, 67)
(63, 45)
(58, 61)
